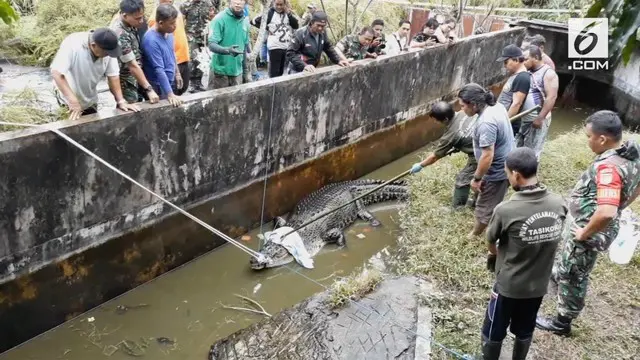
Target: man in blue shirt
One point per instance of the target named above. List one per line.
(158, 58)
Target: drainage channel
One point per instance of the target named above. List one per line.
(180, 314)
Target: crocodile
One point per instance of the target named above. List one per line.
(328, 229)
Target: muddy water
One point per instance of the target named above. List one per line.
(185, 305)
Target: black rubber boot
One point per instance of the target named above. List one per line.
(521, 348)
(196, 86)
(558, 325)
(460, 197)
(491, 349)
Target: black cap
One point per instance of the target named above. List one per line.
(107, 40)
(510, 52)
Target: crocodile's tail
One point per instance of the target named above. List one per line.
(397, 190)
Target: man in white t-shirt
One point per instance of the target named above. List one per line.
(82, 60)
(280, 25)
(399, 41)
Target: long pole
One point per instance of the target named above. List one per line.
(396, 178)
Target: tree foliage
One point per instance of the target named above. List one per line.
(624, 19)
(7, 13)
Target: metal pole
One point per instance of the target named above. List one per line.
(398, 177)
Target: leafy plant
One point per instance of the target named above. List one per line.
(7, 13)
(624, 18)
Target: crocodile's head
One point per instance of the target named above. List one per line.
(273, 255)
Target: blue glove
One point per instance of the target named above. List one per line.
(415, 168)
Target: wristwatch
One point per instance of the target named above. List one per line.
(148, 88)
(476, 179)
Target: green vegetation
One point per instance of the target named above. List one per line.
(624, 18)
(25, 107)
(353, 287)
(7, 14)
(435, 247)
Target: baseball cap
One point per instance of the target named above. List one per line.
(311, 6)
(107, 40)
(509, 52)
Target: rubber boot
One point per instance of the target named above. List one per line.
(558, 325)
(460, 197)
(521, 348)
(491, 349)
(196, 86)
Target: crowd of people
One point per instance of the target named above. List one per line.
(153, 59)
(524, 232)
(167, 55)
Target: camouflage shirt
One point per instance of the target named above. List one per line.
(611, 179)
(196, 17)
(129, 41)
(351, 48)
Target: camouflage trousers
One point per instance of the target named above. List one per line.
(195, 47)
(462, 184)
(571, 270)
(129, 87)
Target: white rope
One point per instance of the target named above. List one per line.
(176, 207)
(266, 165)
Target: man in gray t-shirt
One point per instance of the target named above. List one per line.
(523, 235)
(492, 141)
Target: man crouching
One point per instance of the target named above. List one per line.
(523, 235)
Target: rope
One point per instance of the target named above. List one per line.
(105, 163)
(266, 165)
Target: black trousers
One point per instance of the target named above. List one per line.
(503, 312)
(185, 72)
(277, 60)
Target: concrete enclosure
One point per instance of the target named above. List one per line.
(69, 225)
(617, 89)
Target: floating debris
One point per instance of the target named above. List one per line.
(165, 341)
(360, 236)
(91, 319)
(121, 309)
(256, 288)
(245, 238)
(258, 309)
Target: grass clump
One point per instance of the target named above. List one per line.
(353, 288)
(36, 38)
(435, 247)
(25, 107)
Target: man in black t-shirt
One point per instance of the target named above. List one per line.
(514, 96)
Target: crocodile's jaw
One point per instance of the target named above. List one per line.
(257, 265)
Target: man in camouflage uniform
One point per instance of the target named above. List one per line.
(354, 47)
(609, 185)
(126, 25)
(196, 16)
(306, 18)
(457, 137)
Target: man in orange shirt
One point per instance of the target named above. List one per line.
(180, 48)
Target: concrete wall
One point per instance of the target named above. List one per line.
(617, 89)
(69, 225)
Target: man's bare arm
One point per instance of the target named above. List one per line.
(485, 161)
(551, 85)
(518, 100)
